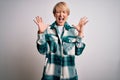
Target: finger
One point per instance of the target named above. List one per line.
(34, 20)
(85, 22)
(40, 19)
(37, 19)
(84, 18)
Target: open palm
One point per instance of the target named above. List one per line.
(41, 26)
(81, 24)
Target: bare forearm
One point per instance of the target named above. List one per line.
(81, 33)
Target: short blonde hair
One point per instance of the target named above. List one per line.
(61, 5)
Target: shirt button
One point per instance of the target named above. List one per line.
(69, 40)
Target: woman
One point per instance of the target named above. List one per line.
(60, 42)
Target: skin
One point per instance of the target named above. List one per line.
(61, 17)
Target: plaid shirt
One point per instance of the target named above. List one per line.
(60, 51)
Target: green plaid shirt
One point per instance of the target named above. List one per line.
(60, 51)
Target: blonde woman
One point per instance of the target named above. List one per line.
(60, 42)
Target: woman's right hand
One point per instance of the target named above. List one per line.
(41, 26)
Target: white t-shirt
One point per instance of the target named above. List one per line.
(60, 29)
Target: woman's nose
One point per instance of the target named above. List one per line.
(61, 13)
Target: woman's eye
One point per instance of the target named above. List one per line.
(64, 11)
(57, 12)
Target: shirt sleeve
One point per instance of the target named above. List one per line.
(79, 46)
(41, 38)
(42, 44)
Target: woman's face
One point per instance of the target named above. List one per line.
(61, 17)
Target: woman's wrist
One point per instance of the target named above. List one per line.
(80, 34)
(39, 32)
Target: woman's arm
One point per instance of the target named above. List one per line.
(41, 42)
(79, 44)
(42, 45)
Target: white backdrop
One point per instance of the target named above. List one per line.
(19, 58)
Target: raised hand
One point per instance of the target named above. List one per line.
(81, 25)
(41, 26)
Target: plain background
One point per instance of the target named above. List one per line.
(19, 58)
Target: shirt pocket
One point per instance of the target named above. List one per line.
(69, 45)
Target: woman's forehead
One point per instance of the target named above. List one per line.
(61, 9)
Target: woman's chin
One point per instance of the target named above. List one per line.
(60, 23)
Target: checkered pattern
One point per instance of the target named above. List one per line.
(60, 51)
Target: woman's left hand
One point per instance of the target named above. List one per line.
(81, 25)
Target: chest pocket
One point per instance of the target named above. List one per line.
(68, 44)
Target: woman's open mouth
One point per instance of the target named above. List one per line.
(61, 19)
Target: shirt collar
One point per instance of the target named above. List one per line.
(66, 26)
